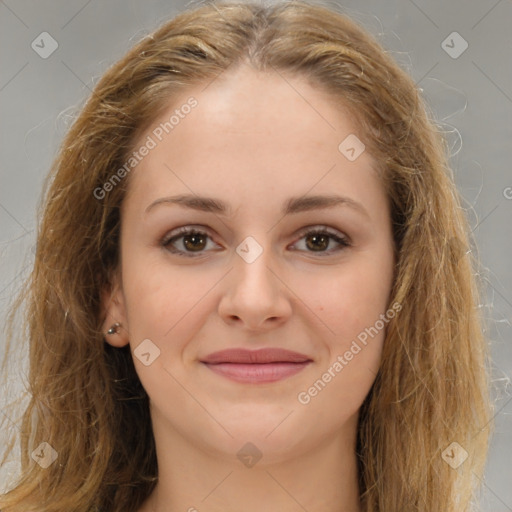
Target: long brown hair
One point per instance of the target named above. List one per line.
(86, 400)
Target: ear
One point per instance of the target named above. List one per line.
(114, 312)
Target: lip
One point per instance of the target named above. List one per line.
(256, 366)
(263, 355)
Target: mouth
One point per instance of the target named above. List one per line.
(256, 366)
(257, 373)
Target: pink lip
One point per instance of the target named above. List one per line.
(263, 355)
(256, 366)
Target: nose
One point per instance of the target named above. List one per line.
(255, 294)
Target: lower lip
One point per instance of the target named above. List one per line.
(257, 373)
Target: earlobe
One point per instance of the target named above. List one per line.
(116, 335)
(115, 327)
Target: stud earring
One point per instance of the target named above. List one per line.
(113, 329)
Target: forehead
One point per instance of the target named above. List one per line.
(253, 131)
(245, 100)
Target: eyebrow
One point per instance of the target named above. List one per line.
(293, 205)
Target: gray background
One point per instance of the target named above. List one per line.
(471, 96)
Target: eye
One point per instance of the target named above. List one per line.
(193, 241)
(319, 239)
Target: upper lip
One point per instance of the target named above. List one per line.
(264, 355)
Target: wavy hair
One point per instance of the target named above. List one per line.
(86, 400)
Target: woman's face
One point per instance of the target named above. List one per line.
(254, 144)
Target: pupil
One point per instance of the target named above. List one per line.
(316, 238)
(194, 239)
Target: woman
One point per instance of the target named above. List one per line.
(252, 289)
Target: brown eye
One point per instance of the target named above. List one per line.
(318, 240)
(196, 241)
(192, 241)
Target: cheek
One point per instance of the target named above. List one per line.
(354, 309)
(164, 302)
(352, 304)
(347, 300)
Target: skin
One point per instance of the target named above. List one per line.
(254, 140)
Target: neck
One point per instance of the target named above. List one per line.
(194, 479)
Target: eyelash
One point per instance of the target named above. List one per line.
(187, 231)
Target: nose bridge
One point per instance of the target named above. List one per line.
(254, 294)
(252, 264)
